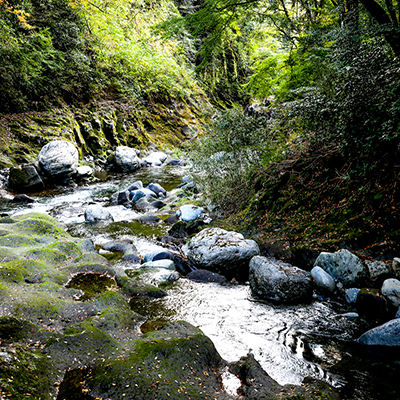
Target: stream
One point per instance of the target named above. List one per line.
(290, 342)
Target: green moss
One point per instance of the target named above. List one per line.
(92, 284)
(16, 241)
(7, 254)
(16, 329)
(26, 374)
(42, 306)
(172, 367)
(39, 226)
(68, 248)
(46, 255)
(11, 275)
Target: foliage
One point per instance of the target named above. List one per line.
(63, 51)
(234, 152)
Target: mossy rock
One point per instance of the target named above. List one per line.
(7, 220)
(35, 268)
(68, 248)
(40, 306)
(81, 344)
(7, 254)
(161, 366)
(26, 373)
(47, 255)
(42, 228)
(91, 258)
(11, 275)
(137, 289)
(17, 241)
(16, 329)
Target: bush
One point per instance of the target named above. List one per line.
(233, 154)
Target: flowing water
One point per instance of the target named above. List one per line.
(290, 342)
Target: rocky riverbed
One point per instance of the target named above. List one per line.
(102, 296)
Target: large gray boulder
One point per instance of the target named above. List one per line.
(127, 158)
(391, 290)
(59, 159)
(387, 334)
(217, 250)
(343, 266)
(271, 280)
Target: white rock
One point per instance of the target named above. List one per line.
(97, 213)
(189, 212)
(127, 158)
(323, 280)
(391, 290)
(59, 158)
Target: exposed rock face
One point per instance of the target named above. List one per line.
(387, 334)
(343, 266)
(25, 178)
(126, 158)
(391, 290)
(218, 250)
(59, 159)
(323, 281)
(97, 213)
(279, 282)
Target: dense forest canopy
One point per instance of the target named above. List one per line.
(326, 75)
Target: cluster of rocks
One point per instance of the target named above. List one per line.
(342, 275)
(58, 163)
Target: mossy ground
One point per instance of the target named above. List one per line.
(322, 202)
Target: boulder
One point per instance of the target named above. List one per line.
(270, 280)
(218, 250)
(126, 158)
(387, 334)
(189, 212)
(123, 197)
(97, 213)
(323, 281)
(59, 159)
(25, 178)
(343, 266)
(157, 189)
(378, 271)
(391, 290)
